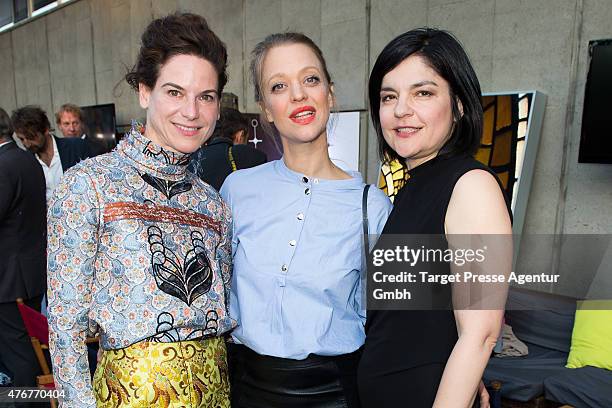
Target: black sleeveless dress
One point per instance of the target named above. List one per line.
(405, 351)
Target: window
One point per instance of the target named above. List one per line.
(6, 13)
(20, 10)
(16, 11)
(38, 4)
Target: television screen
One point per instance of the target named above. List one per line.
(596, 137)
(99, 123)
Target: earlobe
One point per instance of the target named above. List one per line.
(143, 95)
(331, 98)
(460, 107)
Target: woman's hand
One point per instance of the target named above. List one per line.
(484, 396)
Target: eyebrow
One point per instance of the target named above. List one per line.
(281, 74)
(172, 84)
(415, 85)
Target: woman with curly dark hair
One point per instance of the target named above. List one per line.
(140, 249)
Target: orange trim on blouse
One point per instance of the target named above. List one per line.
(127, 210)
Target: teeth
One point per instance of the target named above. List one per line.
(304, 114)
(407, 130)
(188, 129)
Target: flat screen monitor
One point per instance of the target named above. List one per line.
(99, 123)
(596, 135)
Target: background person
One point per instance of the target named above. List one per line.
(296, 289)
(55, 155)
(23, 227)
(141, 248)
(226, 150)
(69, 120)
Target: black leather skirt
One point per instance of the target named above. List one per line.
(269, 382)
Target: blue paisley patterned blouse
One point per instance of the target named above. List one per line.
(139, 249)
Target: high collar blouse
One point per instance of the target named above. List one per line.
(298, 247)
(139, 249)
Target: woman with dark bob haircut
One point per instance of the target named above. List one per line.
(139, 249)
(426, 109)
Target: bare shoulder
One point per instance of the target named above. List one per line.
(477, 206)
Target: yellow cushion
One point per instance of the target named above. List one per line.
(592, 335)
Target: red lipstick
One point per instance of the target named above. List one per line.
(303, 115)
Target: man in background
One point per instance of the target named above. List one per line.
(23, 264)
(225, 151)
(69, 120)
(55, 155)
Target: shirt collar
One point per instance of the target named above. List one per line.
(151, 158)
(55, 151)
(355, 181)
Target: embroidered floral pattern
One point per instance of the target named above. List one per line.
(132, 262)
(189, 374)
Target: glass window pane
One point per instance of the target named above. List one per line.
(6, 13)
(504, 111)
(21, 10)
(502, 149)
(522, 129)
(488, 125)
(523, 108)
(41, 3)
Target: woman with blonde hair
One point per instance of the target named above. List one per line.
(298, 221)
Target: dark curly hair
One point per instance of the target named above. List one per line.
(177, 34)
(30, 120)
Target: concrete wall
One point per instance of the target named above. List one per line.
(80, 52)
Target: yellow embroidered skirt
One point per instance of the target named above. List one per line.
(187, 374)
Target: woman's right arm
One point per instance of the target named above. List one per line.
(73, 219)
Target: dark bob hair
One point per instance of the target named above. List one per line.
(177, 34)
(444, 54)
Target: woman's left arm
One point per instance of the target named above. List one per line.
(477, 207)
(224, 250)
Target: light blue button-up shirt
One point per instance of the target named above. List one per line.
(296, 287)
